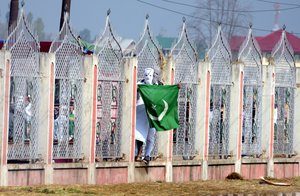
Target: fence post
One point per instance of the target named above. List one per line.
(236, 112)
(89, 115)
(296, 142)
(268, 98)
(46, 112)
(165, 143)
(5, 60)
(202, 130)
(129, 115)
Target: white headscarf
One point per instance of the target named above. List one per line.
(148, 75)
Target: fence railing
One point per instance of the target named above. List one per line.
(70, 135)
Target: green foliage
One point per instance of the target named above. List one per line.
(47, 191)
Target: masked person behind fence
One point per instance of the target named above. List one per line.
(143, 132)
(71, 122)
(28, 116)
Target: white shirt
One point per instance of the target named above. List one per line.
(28, 112)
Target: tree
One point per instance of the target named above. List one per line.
(3, 31)
(38, 27)
(85, 35)
(208, 13)
(29, 17)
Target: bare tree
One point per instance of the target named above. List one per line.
(209, 13)
(13, 13)
(65, 7)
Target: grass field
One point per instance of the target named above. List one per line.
(210, 187)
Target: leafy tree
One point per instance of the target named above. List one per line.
(3, 30)
(38, 27)
(29, 17)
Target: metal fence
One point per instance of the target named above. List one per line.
(219, 56)
(24, 92)
(186, 72)
(250, 56)
(109, 94)
(149, 55)
(285, 83)
(24, 101)
(68, 95)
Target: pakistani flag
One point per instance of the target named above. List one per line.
(161, 105)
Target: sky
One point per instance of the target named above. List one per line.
(128, 16)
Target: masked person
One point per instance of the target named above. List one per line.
(28, 116)
(143, 133)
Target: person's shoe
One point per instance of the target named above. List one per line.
(71, 139)
(138, 159)
(146, 160)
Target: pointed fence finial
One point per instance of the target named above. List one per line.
(250, 25)
(22, 3)
(108, 12)
(66, 8)
(283, 27)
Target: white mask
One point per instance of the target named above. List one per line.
(148, 75)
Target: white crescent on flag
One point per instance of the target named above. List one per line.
(162, 114)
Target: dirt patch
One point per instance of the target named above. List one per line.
(210, 187)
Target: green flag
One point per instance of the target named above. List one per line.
(161, 105)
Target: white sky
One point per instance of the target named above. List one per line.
(128, 16)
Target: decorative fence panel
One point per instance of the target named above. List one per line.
(285, 83)
(250, 55)
(219, 56)
(149, 56)
(186, 72)
(68, 100)
(109, 95)
(24, 92)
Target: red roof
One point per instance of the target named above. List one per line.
(45, 46)
(268, 42)
(235, 42)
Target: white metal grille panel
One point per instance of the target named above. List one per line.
(285, 80)
(250, 55)
(186, 72)
(109, 95)
(219, 57)
(24, 92)
(68, 106)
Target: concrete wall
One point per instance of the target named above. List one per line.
(126, 170)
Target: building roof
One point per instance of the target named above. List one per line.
(268, 42)
(44, 45)
(126, 44)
